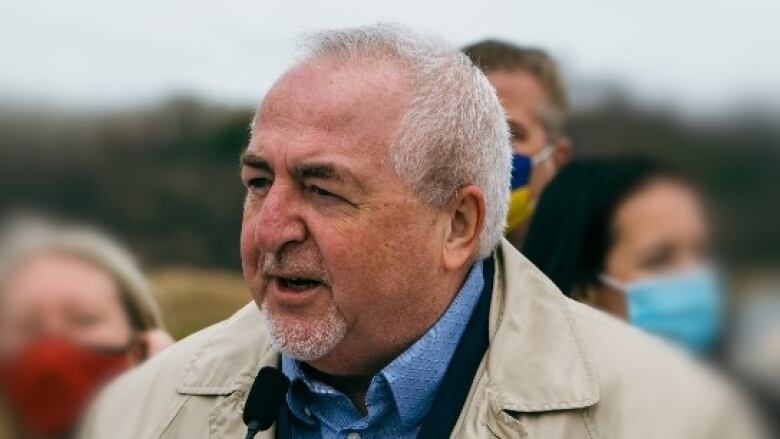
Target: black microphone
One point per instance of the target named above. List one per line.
(264, 401)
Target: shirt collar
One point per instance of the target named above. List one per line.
(415, 375)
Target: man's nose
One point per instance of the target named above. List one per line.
(278, 220)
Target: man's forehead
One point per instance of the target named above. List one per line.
(294, 141)
(332, 93)
(323, 106)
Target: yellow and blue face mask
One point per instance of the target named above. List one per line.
(520, 202)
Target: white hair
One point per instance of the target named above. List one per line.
(453, 133)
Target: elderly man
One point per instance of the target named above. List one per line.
(377, 176)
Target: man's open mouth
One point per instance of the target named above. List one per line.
(298, 283)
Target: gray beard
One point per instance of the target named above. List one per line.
(305, 342)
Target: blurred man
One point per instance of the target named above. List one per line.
(532, 93)
(377, 177)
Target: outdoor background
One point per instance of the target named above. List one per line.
(131, 116)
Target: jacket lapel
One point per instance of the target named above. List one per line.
(537, 360)
(225, 368)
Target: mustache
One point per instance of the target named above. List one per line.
(301, 263)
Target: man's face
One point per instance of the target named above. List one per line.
(523, 100)
(338, 252)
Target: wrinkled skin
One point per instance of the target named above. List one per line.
(323, 204)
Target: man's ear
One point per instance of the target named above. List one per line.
(562, 151)
(467, 217)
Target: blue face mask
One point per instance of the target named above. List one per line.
(684, 308)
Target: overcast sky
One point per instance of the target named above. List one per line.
(695, 54)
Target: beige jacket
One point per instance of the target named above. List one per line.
(554, 369)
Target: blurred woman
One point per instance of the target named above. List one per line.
(75, 312)
(630, 236)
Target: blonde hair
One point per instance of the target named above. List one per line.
(25, 238)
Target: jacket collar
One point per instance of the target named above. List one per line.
(536, 361)
(230, 359)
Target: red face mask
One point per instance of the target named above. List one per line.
(50, 383)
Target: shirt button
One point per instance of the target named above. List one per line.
(353, 435)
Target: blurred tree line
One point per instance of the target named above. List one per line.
(165, 178)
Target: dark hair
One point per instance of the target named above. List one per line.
(493, 55)
(572, 228)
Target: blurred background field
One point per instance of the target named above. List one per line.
(192, 299)
(164, 177)
(137, 129)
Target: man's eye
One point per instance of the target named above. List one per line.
(517, 131)
(258, 183)
(320, 191)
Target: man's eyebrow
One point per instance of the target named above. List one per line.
(326, 171)
(317, 170)
(254, 161)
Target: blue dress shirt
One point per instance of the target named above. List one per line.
(399, 396)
